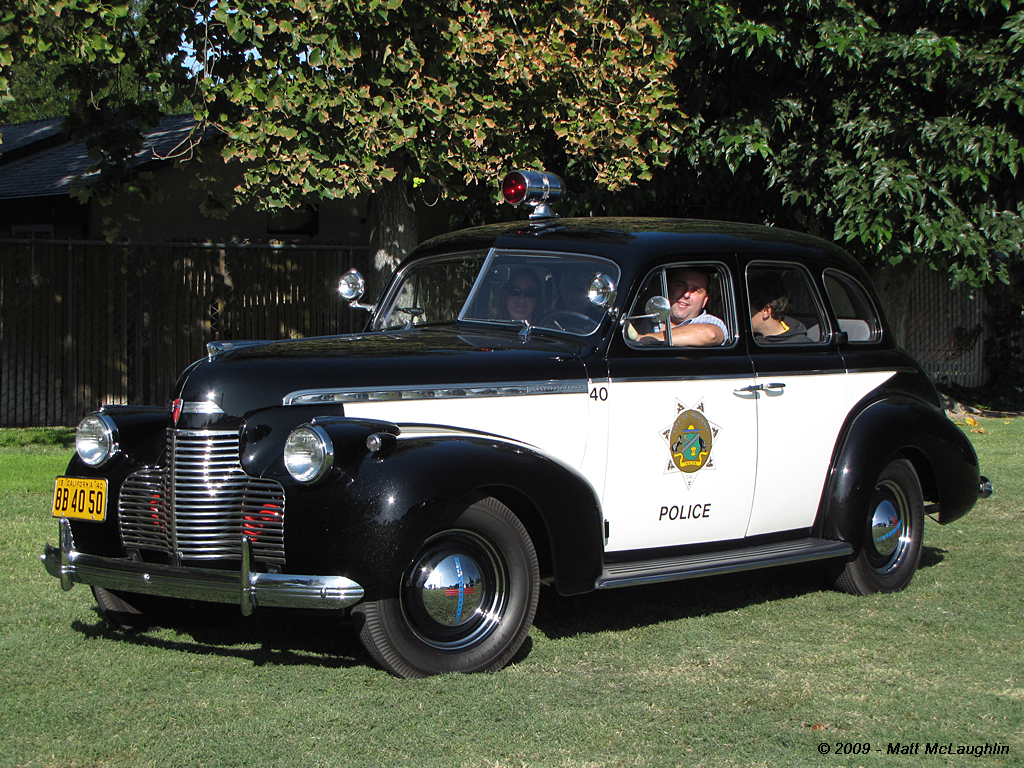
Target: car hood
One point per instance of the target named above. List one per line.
(250, 377)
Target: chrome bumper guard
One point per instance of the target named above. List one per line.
(245, 588)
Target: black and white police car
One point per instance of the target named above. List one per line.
(582, 403)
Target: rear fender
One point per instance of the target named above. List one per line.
(882, 430)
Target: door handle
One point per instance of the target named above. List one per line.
(760, 388)
(748, 390)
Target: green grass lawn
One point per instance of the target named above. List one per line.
(755, 669)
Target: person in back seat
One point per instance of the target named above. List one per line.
(769, 302)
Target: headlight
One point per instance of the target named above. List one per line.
(308, 454)
(96, 439)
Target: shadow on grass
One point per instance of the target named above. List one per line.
(294, 638)
(268, 637)
(630, 607)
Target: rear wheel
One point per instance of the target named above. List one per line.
(892, 542)
(465, 604)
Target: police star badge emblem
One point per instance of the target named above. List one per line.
(691, 439)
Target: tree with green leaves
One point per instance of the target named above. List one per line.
(894, 128)
(891, 127)
(339, 98)
(321, 99)
(111, 69)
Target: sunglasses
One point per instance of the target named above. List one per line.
(515, 291)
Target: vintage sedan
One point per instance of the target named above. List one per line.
(584, 404)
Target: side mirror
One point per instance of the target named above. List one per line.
(352, 286)
(658, 308)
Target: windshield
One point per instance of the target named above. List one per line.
(431, 291)
(508, 287)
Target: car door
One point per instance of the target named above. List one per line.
(801, 394)
(682, 429)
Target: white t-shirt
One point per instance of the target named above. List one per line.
(702, 319)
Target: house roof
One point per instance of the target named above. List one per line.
(14, 138)
(36, 162)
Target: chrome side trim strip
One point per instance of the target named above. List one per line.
(435, 392)
(201, 406)
(713, 563)
(244, 587)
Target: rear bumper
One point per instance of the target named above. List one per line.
(244, 587)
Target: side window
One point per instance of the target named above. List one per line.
(783, 306)
(852, 307)
(683, 305)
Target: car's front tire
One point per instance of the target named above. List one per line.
(466, 602)
(891, 550)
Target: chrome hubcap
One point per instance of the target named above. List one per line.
(889, 534)
(455, 593)
(450, 590)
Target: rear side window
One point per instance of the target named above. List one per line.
(783, 306)
(852, 308)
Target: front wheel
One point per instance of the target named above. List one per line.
(465, 604)
(892, 541)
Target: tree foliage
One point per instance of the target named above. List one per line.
(892, 127)
(343, 96)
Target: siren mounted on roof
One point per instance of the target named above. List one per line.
(538, 189)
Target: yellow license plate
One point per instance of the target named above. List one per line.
(83, 498)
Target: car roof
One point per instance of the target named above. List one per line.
(636, 242)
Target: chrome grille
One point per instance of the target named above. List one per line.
(201, 504)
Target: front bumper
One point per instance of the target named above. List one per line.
(245, 587)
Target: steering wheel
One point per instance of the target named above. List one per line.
(569, 321)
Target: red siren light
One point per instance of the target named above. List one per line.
(513, 188)
(538, 189)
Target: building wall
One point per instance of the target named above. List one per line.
(178, 215)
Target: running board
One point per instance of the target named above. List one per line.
(712, 563)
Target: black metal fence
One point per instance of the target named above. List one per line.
(946, 328)
(84, 323)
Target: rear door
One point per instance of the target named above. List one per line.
(801, 394)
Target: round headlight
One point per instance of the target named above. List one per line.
(308, 454)
(96, 439)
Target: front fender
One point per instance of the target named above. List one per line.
(369, 519)
(141, 435)
(877, 433)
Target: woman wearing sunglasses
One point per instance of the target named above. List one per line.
(521, 293)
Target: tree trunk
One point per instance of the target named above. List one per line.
(392, 232)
